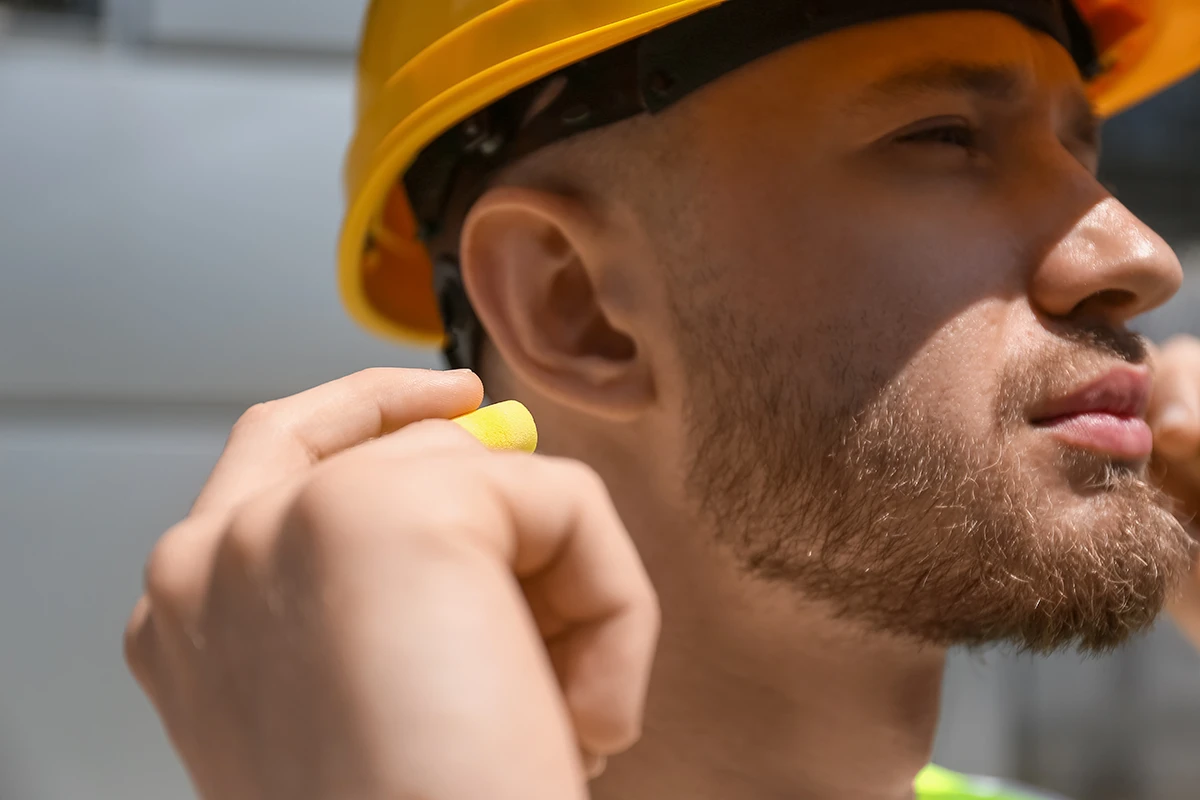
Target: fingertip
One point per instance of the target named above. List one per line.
(1177, 431)
(463, 381)
(464, 375)
(594, 766)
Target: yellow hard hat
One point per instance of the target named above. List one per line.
(430, 68)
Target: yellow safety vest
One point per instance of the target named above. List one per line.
(935, 783)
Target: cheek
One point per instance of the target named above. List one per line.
(954, 378)
(872, 279)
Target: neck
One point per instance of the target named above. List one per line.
(758, 695)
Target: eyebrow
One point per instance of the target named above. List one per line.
(998, 83)
(991, 82)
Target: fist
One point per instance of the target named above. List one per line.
(1175, 419)
(366, 604)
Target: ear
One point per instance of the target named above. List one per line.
(534, 266)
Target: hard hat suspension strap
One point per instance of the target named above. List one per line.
(649, 75)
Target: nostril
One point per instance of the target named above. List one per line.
(1107, 300)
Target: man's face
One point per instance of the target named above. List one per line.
(886, 313)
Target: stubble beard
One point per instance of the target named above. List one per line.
(887, 514)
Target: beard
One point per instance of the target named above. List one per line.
(868, 501)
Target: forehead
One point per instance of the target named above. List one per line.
(844, 65)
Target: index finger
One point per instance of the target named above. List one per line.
(280, 438)
(583, 576)
(1175, 404)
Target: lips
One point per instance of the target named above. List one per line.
(1106, 416)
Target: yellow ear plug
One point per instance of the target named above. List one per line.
(503, 426)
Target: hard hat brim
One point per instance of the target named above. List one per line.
(385, 274)
(388, 287)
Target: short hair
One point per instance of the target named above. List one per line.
(594, 164)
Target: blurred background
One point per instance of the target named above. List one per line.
(169, 202)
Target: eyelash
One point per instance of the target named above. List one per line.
(948, 135)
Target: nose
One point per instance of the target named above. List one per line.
(1110, 266)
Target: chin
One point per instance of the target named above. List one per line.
(1070, 471)
(1094, 476)
(1110, 553)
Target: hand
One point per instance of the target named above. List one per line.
(364, 605)
(1175, 418)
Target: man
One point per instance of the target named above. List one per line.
(828, 296)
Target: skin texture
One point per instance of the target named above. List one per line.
(335, 619)
(829, 366)
(801, 360)
(880, 455)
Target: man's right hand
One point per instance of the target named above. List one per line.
(366, 604)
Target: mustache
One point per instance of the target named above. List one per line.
(1078, 354)
(1125, 345)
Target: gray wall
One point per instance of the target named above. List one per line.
(167, 228)
(308, 24)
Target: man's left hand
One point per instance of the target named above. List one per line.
(1175, 419)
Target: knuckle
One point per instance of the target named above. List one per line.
(241, 541)
(369, 380)
(584, 477)
(433, 495)
(592, 489)
(255, 415)
(607, 727)
(267, 415)
(315, 508)
(326, 491)
(383, 506)
(1182, 347)
(370, 509)
(166, 568)
(458, 516)
(373, 375)
(336, 510)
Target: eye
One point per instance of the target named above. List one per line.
(950, 134)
